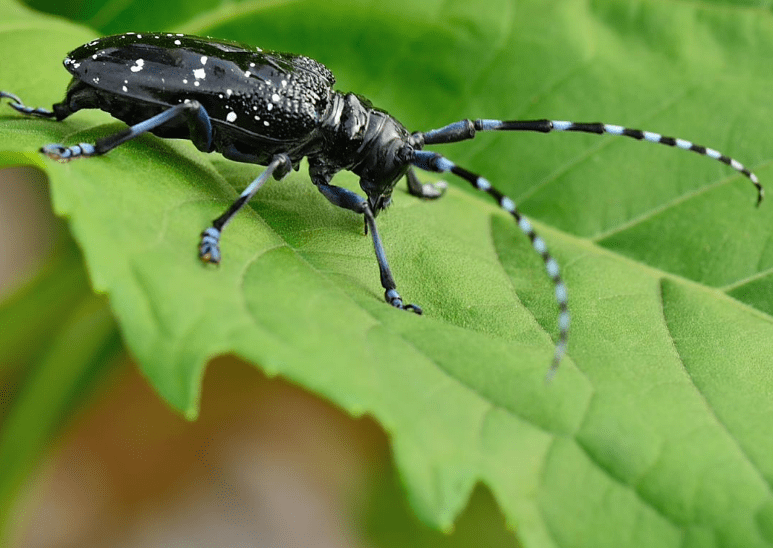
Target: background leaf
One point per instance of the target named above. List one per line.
(655, 431)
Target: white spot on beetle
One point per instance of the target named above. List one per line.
(76, 65)
(284, 83)
(196, 83)
(178, 34)
(252, 65)
(229, 92)
(139, 63)
(139, 36)
(203, 59)
(265, 122)
(94, 56)
(247, 73)
(177, 42)
(220, 95)
(269, 106)
(199, 74)
(125, 89)
(275, 97)
(185, 80)
(231, 117)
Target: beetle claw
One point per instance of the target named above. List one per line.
(394, 298)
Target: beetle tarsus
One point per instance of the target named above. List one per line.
(62, 153)
(209, 248)
(393, 298)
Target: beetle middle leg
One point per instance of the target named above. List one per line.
(352, 201)
(209, 248)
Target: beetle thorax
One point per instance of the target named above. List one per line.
(368, 142)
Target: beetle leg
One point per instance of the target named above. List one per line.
(209, 248)
(199, 126)
(347, 199)
(79, 96)
(19, 106)
(424, 190)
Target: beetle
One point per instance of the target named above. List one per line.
(273, 109)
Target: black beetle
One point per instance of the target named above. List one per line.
(274, 109)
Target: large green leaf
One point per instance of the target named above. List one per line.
(657, 429)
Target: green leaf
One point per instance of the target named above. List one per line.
(389, 523)
(655, 432)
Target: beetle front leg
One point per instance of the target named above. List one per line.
(430, 191)
(354, 202)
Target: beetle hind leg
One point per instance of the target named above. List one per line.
(199, 127)
(18, 105)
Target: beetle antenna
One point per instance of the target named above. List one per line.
(466, 129)
(431, 161)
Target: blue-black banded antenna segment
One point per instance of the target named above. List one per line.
(466, 129)
(431, 161)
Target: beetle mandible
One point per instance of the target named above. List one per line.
(273, 109)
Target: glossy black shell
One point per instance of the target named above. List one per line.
(255, 99)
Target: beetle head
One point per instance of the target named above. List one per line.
(385, 159)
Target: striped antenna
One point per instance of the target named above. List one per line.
(466, 129)
(431, 161)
